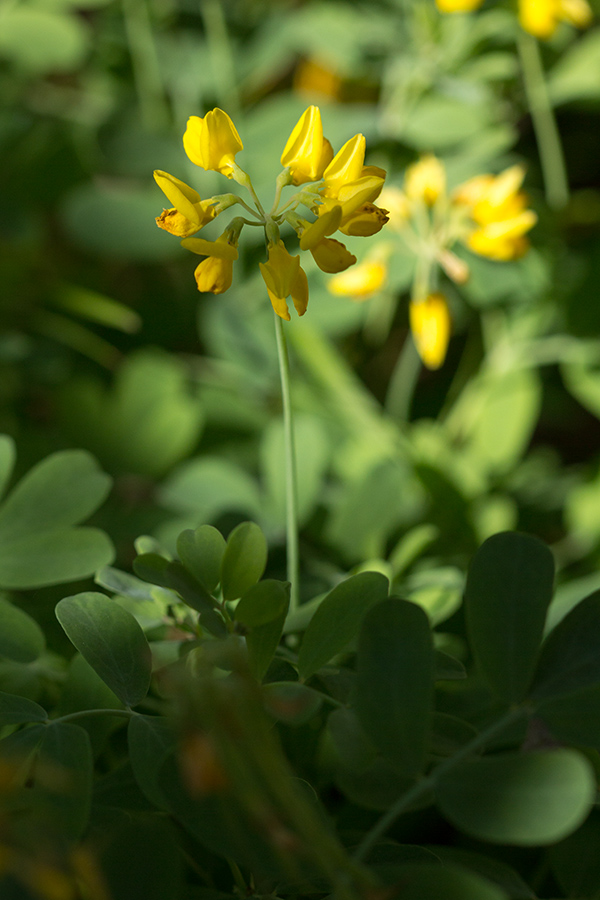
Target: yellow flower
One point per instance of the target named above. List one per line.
(497, 206)
(361, 282)
(367, 220)
(284, 276)
(189, 213)
(430, 327)
(214, 274)
(314, 77)
(397, 205)
(346, 166)
(307, 153)
(425, 180)
(332, 256)
(212, 142)
(457, 6)
(541, 17)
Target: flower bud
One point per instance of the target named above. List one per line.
(430, 327)
(332, 256)
(307, 153)
(212, 142)
(425, 180)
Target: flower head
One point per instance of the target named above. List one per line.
(343, 201)
(212, 142)
(541, 17)
(425, 180)
(497, 208)
(430, 327)
(307, 153)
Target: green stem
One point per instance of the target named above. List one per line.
(552, 159)
(293, 558)
(422, 787)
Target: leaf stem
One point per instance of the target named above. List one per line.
(83, 713)
(427, 784)
(552, 158)
(291, 490)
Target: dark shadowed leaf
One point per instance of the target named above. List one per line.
(244, 560)
(508, 591)
(21, 638)
(201, 552)
(111, 641)
(14, 709)
(394, 684)
(337, 619)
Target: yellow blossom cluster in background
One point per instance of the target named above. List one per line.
(338, 190)
(538, 17)
(487, 214)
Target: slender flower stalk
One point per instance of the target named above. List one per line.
(552, 158)
(291, 481)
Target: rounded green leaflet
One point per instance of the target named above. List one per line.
(201, 552)
(428, 881)
(526, 799)
(21, 638)
(337, 619)
(111, 641)
(244, 560)
(508, 591)
(394, 682)
(570, 660)
(262, 603)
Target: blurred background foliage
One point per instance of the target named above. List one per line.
(107, 346)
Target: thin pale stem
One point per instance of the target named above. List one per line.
(146, 66)
(425, 785)
(86, 713)
(552, 158)
(291, 491)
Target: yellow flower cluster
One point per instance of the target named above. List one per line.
(488, 214)
(338, 190)
(539, 17)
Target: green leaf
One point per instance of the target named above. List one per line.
(244, 560)
(575, 862)
(575, 717)
(65, 768)
(61, 490)
(111, 641)
(208, 487)
(145, 423)
(150, 740)
(54, 557)
(201, 552)
(263, 641)
(38, 546)
(508, 591)
(14, 710)
(525, 799)
(337, 619)
(84, 689)
(194, 594)
(576, 75)
(262, 603)
(21, 638)
(570, 659)
(447, 668)
(423, 881)
(7, 460)
(492, 869)
(394, 682)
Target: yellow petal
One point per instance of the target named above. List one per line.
(331, 256)
(183, 197)
(576, 12)
(306, 152)
(325, 225)
(172, 221)
(366, 221)
(214, 275)
(539, 17)
(430, 327)
(345, 166)
(360, 282)
(425, 180)
(300, 292)
(212, 142)
(457, 6)
(219, 249)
